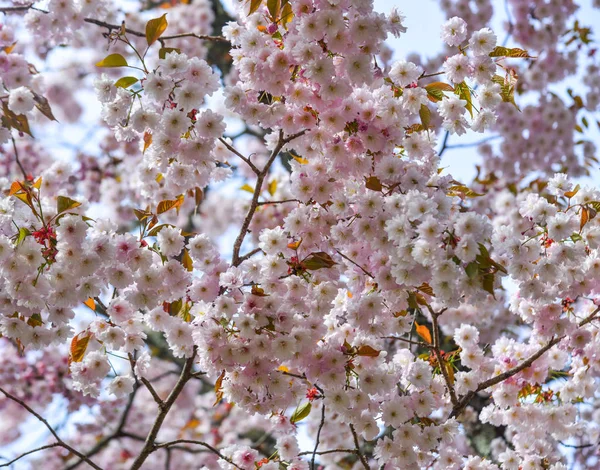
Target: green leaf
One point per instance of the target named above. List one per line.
(462, 191)
(507, 89)
(155, 28)
(125, 82)
(274, 7)
(113, 60)
(487, 283)
(435, 90)
(64, 203)
(163, 51)
(463, 91)
(186, 260)
(318, 260)
(254, 6)
(595, 205)
(157, 229)
(272, 187)
(301, 412)
(425, 115)
(23, 232)
(287, 14)
(500, 51)
(472, 269)
(35, 320)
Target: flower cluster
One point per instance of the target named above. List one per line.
(398, 314)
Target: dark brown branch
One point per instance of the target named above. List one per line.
(462, 404)
(282, 142)
(428, 75)
(17, 158)
(113, 27)
(244, 158)
(321, 424)
(115, 435)
(59, 441)
(438, 354)
(265, 203)
(444, 144)
(332, 451)
(47, 446)
(150, 388)
(362, 458)
(410, 341)
(249, 255)
(150, 443)
(166, 445)
(579, 446)
(355, 264)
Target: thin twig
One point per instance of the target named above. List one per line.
(17, 158)
(473, 144)
(47, 446)
(152, 391)
(150, 443)
(232, 149)
(438, 354)
(264, 203)
(462, 404)
(314, 455)
(362, 458)
(355, 264)
(332, 451)
(59, 441)
(118, 433)
(112, 27)
(579, 446)
(444, 144)
(166, 445)
(282, 141)
(249, 255)
(422, 344)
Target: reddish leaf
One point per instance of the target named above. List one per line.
(424, 333)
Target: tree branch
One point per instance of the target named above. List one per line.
(436, 349)
(422, 344)
(166, 445)
(444, 144)
(265, 203)
(249, 255)
(332, 451)
(362, 458)
(355, 264)
(150, 388)
(314, 455)
(232, 149)
(282, 141)
(150, 443)
(47, 446)
(17, 158)
(59, 441)
(115, 435)
(462, 404)
(112, 27)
